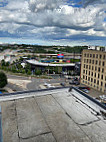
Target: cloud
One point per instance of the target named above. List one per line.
(41, 5)
(88, 2)
(53, 19)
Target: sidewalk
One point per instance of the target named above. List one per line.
(9, 90)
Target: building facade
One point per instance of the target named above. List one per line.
(93, 69)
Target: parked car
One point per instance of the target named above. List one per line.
(74, 82)
(85, 90)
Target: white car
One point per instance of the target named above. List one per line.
(85, 90)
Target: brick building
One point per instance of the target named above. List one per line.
(93, 69)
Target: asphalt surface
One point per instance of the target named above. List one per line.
(14, 87)
(34, 85)
(35, 82)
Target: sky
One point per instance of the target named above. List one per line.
(53, 22)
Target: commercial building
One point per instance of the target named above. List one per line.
(93, 69)
(65, 67)
(54, 115)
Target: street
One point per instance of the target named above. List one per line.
(29, 83)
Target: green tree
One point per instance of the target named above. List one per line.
(38, 71)
(29, 72)
(3, 63)
(3, 79)
(59, 70)
(56, 69)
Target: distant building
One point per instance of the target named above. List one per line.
(93, 69)
(42, 65)
(97, 48)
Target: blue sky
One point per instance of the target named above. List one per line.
(53, 22)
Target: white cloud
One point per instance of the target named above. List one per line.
(53, 18)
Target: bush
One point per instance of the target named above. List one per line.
(3, 80)
(29, 72)
(38, 72)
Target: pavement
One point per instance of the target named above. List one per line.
(21, 83)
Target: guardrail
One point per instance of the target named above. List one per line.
(1, 139)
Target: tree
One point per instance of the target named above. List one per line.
(28, 72)
(3, 79)
(59, 70)
(3, 62)
(38, 71)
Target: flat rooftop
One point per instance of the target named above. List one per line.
(50, 116)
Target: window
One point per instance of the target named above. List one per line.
(85, 54)
(94, 80)
(96, 62)
(92, 74)
(98, 75)
(100, 56)
(95, 68)
(95, 74)
(101, 83)
(89, 66)
(86, 66)
(99, 63)
(99, 69)
(93, 55)
(87, 60)
(91, 79)
(90, 55)
(103, 56)
(86, 71)
(98, 82)
(83, 71)
(96, 55)
(102, 76)
(103, 70)
(88, 78)
(84, 60)
(83, 77)
(92, 67)
(92, 61)
(89, 72)
(103, 63)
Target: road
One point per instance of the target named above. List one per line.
(34, 84)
